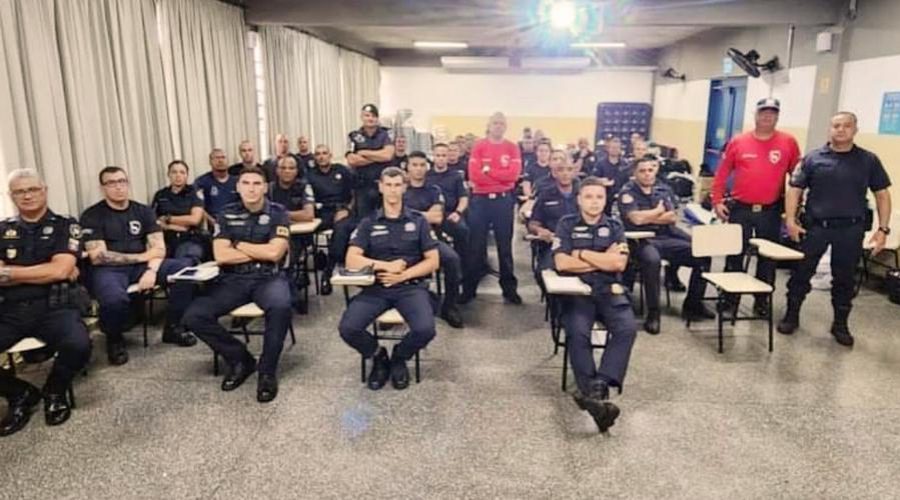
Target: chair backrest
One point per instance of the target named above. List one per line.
(716, 240)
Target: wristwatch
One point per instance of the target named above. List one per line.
(885, 230)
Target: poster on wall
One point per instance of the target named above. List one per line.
(890, 114)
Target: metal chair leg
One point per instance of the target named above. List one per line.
(770, 323)
(565, 368)
(418, 376)
(719, 302)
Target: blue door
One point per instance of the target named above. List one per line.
(725, 118)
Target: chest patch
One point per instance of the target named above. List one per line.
(409, 227)
(774, 156)
(603, 232)
(134, 227)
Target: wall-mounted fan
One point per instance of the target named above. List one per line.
(749, 62)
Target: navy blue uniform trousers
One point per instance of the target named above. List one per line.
(270, 292)
(846, 250)
(486, 214)
(579, 314)
(110, 285)
(61, 329)
(412, 301)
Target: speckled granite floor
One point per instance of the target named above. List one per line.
(811, 420)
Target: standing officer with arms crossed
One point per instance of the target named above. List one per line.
(760, 160)
(428, 200)
(38, 253)
(837, 176)
(371, 150)
(332, 186)
(126, 246)
(646, 204)
(250, 244)
(179, 212)
(592, 246)
(494, 167)
(397, 243)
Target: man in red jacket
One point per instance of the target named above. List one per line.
(494, 166)
(760, 161)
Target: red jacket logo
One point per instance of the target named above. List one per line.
(774, 156)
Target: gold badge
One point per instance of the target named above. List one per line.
(616, 289)
(282, 231)
(11, 253)
(10, 234)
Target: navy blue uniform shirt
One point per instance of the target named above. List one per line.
(332, 189)
(573, 233)
(422, 198)
(632, 198)
(32, 243)
(837, 182)
(619, 173)
(359, 141)
(536, 174)
(168, 202)
(452, 185)
(236, 223)
(407, 237)
(552, 204)
(124, 231)
(216, 195)
(293, 198)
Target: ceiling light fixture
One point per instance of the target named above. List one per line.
(597, 45)
(562, 14)
(440, 45)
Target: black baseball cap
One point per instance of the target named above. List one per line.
(370, 108)
(768, 103)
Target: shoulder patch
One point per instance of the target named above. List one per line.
(282, 231)
(626, 198)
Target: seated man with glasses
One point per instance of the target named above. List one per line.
(125, 245)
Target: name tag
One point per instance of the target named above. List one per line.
(581, 236)
(551, 203)
(379, 233)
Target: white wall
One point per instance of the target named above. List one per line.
(682, 100)
(435, 92)
(796, 96)
(863, 86)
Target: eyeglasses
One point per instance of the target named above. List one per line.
(115, 182)
(21, 193)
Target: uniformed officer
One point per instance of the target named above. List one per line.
(247, 154)
(401, 159)
(647, 204)
(371, 150)
(282, 149)
(592, 246)
(305, 158)
(759, 162)
(456, 200)
(584, 158)
(455, 162)
(554, 201)
(217, 186)
(38, 254)
(398, 244)
(126, 246)
(613, 170)
(295, 196)
(538, 172)
(250, 245)
(332, 186)
(494, 167)
(428, 200)
(291, 191)
(837, 177)
(179, 212)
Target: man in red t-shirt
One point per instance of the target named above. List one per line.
(494, 166)
(759, 161)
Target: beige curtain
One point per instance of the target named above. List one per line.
(115, 94)
(325, 95)
(34, 131)
(285, 57)
(360, 79)
(211, 97)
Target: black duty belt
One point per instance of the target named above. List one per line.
(251, 268)
(493, 196)
(837, 222)
(756, 207)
